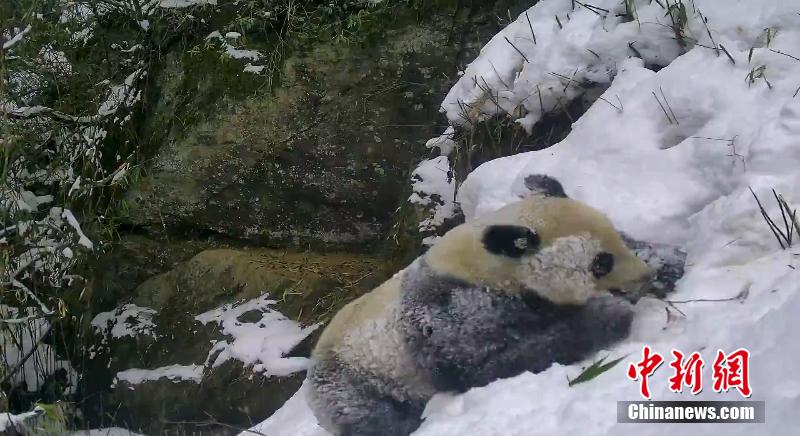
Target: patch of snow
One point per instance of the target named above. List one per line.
(15, 38)
(444, 141)
(128, 320)
(107, 431)
(54, 61)
(231, 51)
(261, 343)
(184, 3)
(236, 53)
(121, 96)
(174, 373)
(10, 422)
(255, 69)
(434, 188)
(679, 175)
(73, 222)
(293, 418)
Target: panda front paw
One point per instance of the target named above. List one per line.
(668, 262)
(606, 319)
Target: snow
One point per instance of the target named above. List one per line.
(255, 69)
(121, 96)
(184, 3)
(678, 175)
(13, 422)
(18, 36)
(238, 53)
(174, 373)
(261, 343)
(107, 431)
(294, 418)
(73, 222)
(129, 320)
(434, 188)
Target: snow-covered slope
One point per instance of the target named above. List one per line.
(670, 157)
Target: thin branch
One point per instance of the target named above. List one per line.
(785, 54)
(772, 226)
(531, 27)
(668, 105)
(727, 54)
(662, 107)
(517, 49)
(618, 108)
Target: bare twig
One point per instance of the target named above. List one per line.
(593, 8)
(708, 31)
(662, 107)
(618, 108)
(785, 235)
(530, 26)
(727, 54)
(668, 106)
(517, 49)
(785, 54)
(738, 297)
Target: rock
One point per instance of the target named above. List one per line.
(308, 287)
(320, 161)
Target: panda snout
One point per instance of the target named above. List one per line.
(617, 292)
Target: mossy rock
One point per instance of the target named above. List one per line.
(307, 287)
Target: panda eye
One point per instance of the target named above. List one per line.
(602, 264)
(511, 241)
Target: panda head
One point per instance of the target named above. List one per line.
(558, 248)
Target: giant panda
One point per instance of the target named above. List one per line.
(516, 290)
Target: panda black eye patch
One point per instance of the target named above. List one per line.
(602, 264)
(509, 240)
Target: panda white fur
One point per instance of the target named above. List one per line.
(513, 291)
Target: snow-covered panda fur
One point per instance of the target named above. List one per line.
(513, 291)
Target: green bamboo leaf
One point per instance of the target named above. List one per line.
(594, 370)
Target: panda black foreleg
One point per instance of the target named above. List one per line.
(349, 404)
(602, 322)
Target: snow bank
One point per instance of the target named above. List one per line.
(669, 155)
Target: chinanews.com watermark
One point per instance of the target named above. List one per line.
(730, 371)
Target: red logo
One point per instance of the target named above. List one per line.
(731, 371)
(644, 369)
(688, 373)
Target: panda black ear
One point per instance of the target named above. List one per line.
(544, 185)
(509, 240)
